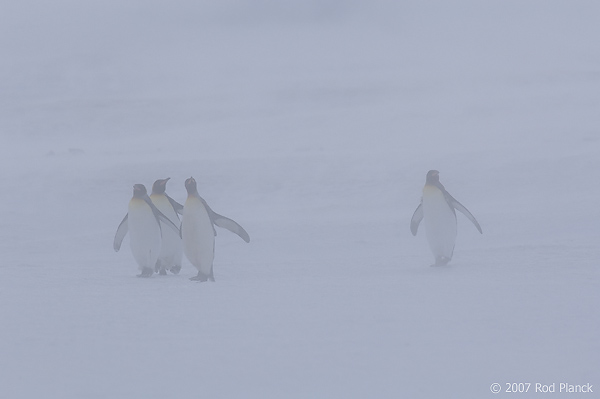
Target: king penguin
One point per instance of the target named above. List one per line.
(171, 250)
(143, 222)
(198, 232)
(437, 208)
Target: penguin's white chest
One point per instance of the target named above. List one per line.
(144, 233)
(198, 235)
(440, 222)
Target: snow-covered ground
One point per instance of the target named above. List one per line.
(312, 124)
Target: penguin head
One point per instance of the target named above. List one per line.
(160, 186)
(139, 191)
(433, 177)
(190, 186)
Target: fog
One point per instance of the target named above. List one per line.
(312, 124)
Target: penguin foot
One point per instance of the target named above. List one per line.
(146, 272)
(176, 269)
(200, 277)
(441, 261)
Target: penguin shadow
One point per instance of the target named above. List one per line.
(425, 269)
(441, 269)
(160, 279)
(437, 266)
(464, 265)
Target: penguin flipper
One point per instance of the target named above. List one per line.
(161, 216)
(176, 205)
(462, 209)
(168, 222)
(231, 225)
(226, 223)
(120, 234)
(416, 219)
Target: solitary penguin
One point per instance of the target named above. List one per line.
(171, 248)
(198, 232)
(143, 221)
(437, 208)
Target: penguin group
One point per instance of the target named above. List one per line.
(158, 236)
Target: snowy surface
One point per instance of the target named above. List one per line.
(312, 124)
